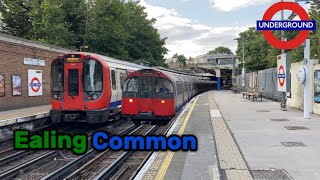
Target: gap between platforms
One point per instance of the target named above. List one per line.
(231, 161)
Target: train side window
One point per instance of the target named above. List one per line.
(123, 77)
(131, 85)
(164, 86)
(113, 79)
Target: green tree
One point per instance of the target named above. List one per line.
(14, 17)
(115, 28)
(314, 14)
(256, 49)
(106, 33)
(144, 41)
(181, 58)
(75, 14)
(221, 50)
(49, 25)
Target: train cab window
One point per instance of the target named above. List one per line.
(92, 76)
(113, 80)
(146, 84)
(164, 86)
(57, 76)
(131, 85)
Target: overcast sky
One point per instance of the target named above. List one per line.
(194, 27)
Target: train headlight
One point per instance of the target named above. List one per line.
(61, 106)
(55, 96)
(163, 101)
(130, 100)
(86, 107)
(95, 96)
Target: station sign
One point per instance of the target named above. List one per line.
(283, 72)
(34, 62)
(34, 82)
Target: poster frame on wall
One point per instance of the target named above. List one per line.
(2, 85)
(316, 86)
(16, 85)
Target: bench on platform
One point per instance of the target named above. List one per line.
(255, 93)
(235, 89)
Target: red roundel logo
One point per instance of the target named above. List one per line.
(281, 76)
(35, 84)
(274, 41)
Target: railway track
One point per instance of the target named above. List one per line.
(131, 166)
(61, 164)
(79, 162)
(105, 163)
(14, 162)
(52, 163)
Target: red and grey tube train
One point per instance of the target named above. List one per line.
(87, 87)
(157, 94)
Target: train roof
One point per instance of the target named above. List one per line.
(112, 62)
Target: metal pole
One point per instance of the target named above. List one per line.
(307, 87)
(284, 94)
(243, 64)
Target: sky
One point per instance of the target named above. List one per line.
(194, 27)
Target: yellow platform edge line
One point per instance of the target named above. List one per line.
(166, 162)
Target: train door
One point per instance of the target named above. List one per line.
(114, 92)
(74, 95)
(146, 88)
(122, 75)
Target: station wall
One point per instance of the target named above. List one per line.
(13, 50)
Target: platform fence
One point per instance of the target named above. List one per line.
(265, 80)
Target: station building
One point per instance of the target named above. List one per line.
(17, 57)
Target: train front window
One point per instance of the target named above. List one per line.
(93, 76)
(164, 86)
(57, 76)
(131, 85)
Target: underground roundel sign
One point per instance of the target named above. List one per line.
(34, 82)
(267, 25)
(281, 76)
(283, 72)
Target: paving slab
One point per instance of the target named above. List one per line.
(261, 139)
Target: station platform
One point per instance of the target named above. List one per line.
(23, 115)
(240, 139)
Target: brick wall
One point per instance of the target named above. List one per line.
(12, 53)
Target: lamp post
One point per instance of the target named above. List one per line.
(243, 62)
(307, 85)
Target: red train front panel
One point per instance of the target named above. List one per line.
(80, 88)
(148, 95)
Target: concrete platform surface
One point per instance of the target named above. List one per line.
(23, 115)
(202, 164)
(262, 133)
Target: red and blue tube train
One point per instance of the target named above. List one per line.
(156, 95)
(87, 87)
